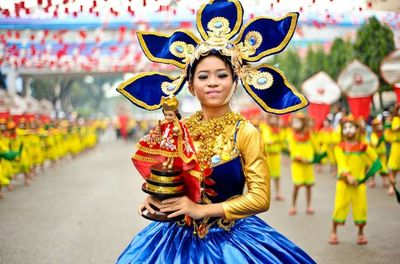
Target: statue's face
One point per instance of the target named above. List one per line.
(297, 124)
(169, 116)
(349, 130)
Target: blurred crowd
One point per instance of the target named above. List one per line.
(280, 134)
(31, 143)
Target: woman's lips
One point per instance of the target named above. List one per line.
(213, 92)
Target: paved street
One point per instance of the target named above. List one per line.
(84, 211)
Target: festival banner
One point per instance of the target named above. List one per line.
(359, 84)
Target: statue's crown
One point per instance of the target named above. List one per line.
(169, 103)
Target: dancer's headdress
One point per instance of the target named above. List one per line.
(220, 26)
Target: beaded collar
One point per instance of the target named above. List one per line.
(206, 132)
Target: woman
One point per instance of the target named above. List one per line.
(222, 226)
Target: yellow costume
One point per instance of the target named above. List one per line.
(392, 135)
(377, 142)
(352, 160)
(5, 166)
(20, 142)
(273, 139)
(302, 151)
(327, 139)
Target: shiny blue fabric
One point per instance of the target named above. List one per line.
(221, 8)
(158, 46)
(279, 96)
(273, 33)
(146, 89)
(250, 240)
(276, 34)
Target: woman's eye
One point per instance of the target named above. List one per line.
(202, 77)
(222, 75)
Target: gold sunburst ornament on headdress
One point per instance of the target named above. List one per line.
(219, 23)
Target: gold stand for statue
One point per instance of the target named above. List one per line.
(163, 183)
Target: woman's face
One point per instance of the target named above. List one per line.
(212, 82)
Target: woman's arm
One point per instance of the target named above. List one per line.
(257, 199)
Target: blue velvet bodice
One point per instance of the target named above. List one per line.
(229, 180)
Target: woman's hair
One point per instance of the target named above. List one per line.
(217, 54)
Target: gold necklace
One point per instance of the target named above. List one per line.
(207, 132)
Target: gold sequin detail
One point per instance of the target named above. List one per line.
(219, 26)
(164, 190)
(169, 88)
(253, 39)
(262, 80)
(206, 132)
(182, 50)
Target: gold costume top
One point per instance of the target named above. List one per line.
(257, 198)
(232, 148)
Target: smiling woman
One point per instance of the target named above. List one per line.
(220, 226)
(214, 83)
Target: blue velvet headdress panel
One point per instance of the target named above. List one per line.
(219, 23)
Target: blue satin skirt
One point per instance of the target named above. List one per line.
(250, 240)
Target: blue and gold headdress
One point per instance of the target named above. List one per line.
(220, 26)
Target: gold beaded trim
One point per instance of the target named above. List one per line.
(164, 190)
(206, 132)
(164, 179)
(143, 158)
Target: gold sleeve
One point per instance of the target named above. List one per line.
(257, 199)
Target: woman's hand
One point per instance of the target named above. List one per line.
(150, 200)
(181, 206)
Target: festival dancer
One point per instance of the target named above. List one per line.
(303, 148)
(222, 228)
(273, 139)
(392, 134)
(4, 170)
(353, 157)
(327, 140)
(378, 143)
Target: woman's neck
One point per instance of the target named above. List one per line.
(214, 112)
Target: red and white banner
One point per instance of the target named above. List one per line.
(396, 89)
(390, 67)
(321, 91)
(359, 83)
